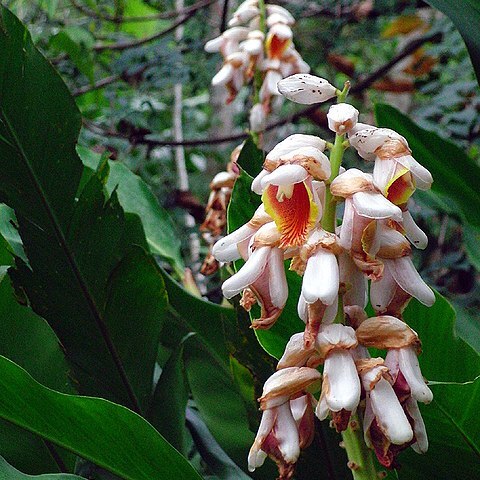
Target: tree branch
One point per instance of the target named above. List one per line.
(137, 43)
(146, 18)
(312, 111)
(97, 85)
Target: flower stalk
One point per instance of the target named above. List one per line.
(360, 458)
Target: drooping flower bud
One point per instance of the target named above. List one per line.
(306, 89)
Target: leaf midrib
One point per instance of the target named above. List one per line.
(73, 265)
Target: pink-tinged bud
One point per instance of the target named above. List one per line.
(243, 15)
(342, 117)
(302, 411)
(306, 89)
(321, 278)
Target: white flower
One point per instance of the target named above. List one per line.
(342, 117)
(306, 89)
(257, 118)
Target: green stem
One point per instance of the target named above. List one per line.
(360, 459)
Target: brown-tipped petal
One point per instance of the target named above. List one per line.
(295, 354)
(285, 383)
(267, 236)
(316, 311)
(335, 336)
(372, 267)
(351, 181)
(386, 332)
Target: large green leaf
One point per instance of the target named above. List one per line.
(87, 277)
(452, 420)
(27, 339)
(135, 196)
(465, 14)
(109, 435)
(454, 173)
(7, 472)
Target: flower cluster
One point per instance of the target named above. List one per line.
(300, 187)
(246, 48)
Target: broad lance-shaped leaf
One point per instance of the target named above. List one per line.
(27, 339)
(109, 435)
(7, 472)
(136, 197)
(454, 173)
(102, 295)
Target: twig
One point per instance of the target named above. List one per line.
(146, 18)
(223, 25)
(137, 43)
(56, 456)
(97, 85)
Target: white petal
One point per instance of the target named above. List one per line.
(423, 178)
(287, 434)
(383, 172)
(389, 413)
(250, 272)
(257, 182)
(257, 118)
(321, 278)
(269, 85)
(224, 75)
(344, 392)
(322, 410)
(375, 205)
(405, 274)
(346, 232)
(280, 30)
(298, 406)
(214, 45)
(277, 281)
(421, 444)
(306, 89)
(302, 309)
(382, 292)
(413, 232)
(253, 46)
(330, 314)
(368, 418)
(225, 250)
(236, 33)
(293, 142)
(285, 175)
(342, 117)
(271, 9)
(410, 368)
(256, 456)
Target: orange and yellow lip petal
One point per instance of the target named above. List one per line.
(401, 187)
(276, 46)
(293, 216)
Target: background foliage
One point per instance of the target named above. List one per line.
(110, 367)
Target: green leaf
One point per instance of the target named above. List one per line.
(471, 241)
(51, 6)
(100, 292)
(219, 401)
(109, 435)
(167, 410)
(9, 232)
(454, 173)
(452, 421)
(135, 196)
(465, 14)
(27, 339)
(7, 472)
(251, 157)
(213, 455)
(76, 50)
